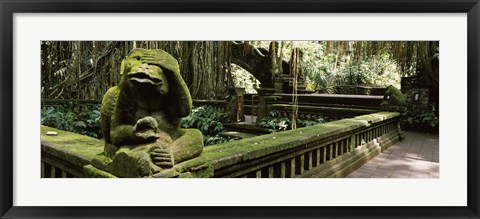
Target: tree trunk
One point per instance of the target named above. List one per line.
(203, 65)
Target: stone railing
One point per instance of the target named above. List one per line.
(314, 112)
(65, 154)
(359, 90)
(334, 106)
(326, 100)
(331, 149)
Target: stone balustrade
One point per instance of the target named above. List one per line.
(331, 149)
(65, 154)
(314, 112)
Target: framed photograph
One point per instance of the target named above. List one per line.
(306, 172)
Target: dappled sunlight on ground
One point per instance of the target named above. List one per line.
(415, 157)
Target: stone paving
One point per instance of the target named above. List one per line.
(416, 156)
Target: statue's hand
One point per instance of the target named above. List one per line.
(152, 59)
(146, 128)
(162, 158)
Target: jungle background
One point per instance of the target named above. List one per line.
(84, 70)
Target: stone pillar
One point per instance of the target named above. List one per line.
(235, 104)
(263, 109)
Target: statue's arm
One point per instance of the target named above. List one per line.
(106, 111)
(122, 123)
(187, 146)
(118, 124)
(121, 131)
(122, 135)
(178, 88)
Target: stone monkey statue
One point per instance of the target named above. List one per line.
(140, 117)
(393, 100)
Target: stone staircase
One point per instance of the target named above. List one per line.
(284, 84)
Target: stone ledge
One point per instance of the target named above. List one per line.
(227, 154)
(75, 148)
(79, 150)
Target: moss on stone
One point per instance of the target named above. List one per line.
(194, 168)
(92, 172)
(145, 108)
(251, 148)
(75, 148)
(80, 150)
(393, 100)
(130, 164)
(239, 151)
(377, 117)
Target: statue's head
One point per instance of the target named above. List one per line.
(393, 99)
(140, 72)
(154, 73)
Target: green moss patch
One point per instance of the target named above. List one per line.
(80, 150)
(77, 149)
(229, 153)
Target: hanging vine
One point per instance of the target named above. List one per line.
(295, 70)
(86, 69)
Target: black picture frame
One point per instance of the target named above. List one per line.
(9, 7)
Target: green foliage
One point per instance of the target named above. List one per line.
(85, 122)
(305, 123)
(326, 68)
(421, 118)
(217, 139)
(210, 122)
(329, 71)
(244, 79)
(206, 119)
(274, 121)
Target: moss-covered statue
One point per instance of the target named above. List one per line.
(393, 100)
(140, 118)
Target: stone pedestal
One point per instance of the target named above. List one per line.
(194, 168)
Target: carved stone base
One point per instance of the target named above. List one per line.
(135, 162)
(194, 168)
